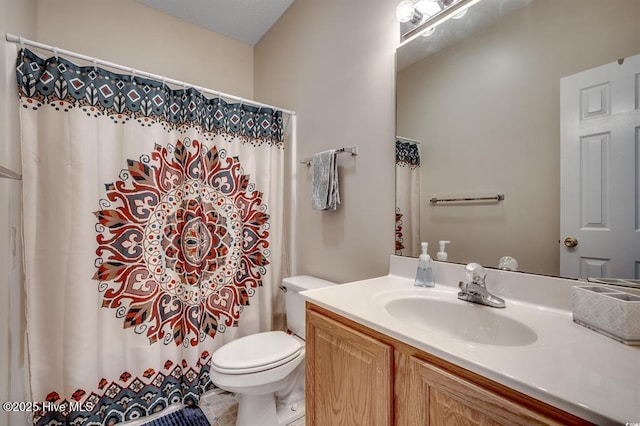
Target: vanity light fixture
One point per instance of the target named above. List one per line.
(432, 13)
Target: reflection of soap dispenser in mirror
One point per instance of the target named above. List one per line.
(508, 263)
(424, 274)
(442, 255)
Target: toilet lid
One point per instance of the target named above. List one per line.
(256, 352)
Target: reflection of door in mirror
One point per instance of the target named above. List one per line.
(599, 216)
(407, 197)
(486, 110)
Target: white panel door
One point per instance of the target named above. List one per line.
(600, 173)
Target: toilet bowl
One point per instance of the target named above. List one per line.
(258, 366)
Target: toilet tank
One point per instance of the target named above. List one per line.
(294, 302)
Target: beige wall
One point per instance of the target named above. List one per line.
(16, 16)
(132, 34)
(487, 113)
(332, 62)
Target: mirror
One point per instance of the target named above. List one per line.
(481, 95)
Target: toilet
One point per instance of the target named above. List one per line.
(258, 366)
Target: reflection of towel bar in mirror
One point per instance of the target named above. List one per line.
(353, 151)
(9, 174)
(497, 198)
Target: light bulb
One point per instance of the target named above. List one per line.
(405, 12)
(428, 32)
(460, 14)
(428, 7)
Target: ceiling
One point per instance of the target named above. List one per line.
(244, 20)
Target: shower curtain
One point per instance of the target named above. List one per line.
(407, 199)
(152, 232)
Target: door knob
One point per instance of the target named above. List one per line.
(570, 242)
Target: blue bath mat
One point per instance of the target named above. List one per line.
(188, 416)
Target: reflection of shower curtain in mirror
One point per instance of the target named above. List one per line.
(152, 233)
(407, 199)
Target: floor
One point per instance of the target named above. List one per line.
(221, 409)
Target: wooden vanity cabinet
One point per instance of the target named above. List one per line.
(357, 376)
(348, 375)
(436, 397)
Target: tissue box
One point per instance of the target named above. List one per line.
(613, 313)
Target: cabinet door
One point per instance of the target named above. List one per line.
(436, 397)
(348, 375)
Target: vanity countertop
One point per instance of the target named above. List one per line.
(567, 366)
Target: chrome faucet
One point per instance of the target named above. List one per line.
(474, 289)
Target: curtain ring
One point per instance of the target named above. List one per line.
(133, 76)
(21, 42)
(55, 53)
(95, 64)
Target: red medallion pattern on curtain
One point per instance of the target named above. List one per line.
(183, 242)
(169, 253)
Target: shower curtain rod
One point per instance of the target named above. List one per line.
(407, 139)
(23, 41)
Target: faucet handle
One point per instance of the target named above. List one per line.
(475, 273)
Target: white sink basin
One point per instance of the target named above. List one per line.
(462, 320)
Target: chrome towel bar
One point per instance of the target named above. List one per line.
(353, 151)
(497, 198)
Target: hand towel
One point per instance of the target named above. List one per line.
(324, 181)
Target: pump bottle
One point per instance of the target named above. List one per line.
(424, 274)
(442, 254)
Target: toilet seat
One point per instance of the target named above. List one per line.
(255, 353)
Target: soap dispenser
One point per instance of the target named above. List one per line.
(424, 274)
(442, 254)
